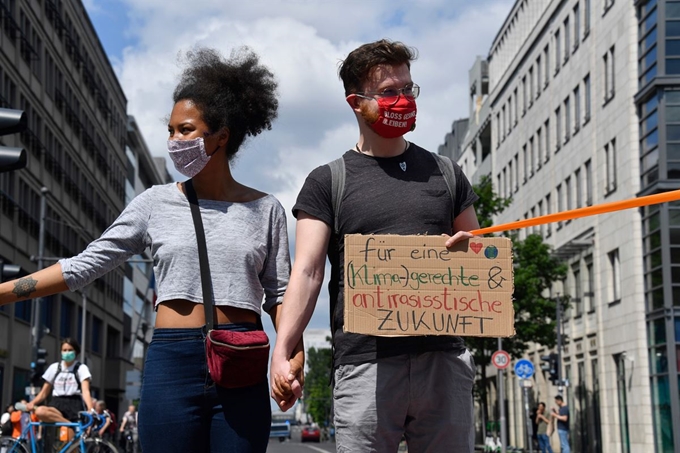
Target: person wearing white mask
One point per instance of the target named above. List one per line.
(217, 104)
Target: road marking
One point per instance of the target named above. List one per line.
(316, 449)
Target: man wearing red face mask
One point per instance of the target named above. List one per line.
(384, 388)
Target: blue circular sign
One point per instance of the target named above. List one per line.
(524, 369)
(491, 252)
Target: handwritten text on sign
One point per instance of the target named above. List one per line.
(413, 285)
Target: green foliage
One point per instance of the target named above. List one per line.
(489, 203)
(535, 271)
(317, 392)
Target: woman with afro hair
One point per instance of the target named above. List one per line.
(218, 103)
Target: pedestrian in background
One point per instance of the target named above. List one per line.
(217, 104)
(543, 424)
(420, 387)
(561, 414)
(67, 384)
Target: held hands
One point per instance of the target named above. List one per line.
(287, 378)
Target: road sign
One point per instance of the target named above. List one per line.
(524, 369)
(500, 359)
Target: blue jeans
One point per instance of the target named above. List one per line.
(181, 408)
(544, 443)
(564, 440)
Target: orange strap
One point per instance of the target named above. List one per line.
(603, 208)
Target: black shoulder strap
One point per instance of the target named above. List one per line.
(206, 281)
(446, 167)
(75, 372)
(337, 189)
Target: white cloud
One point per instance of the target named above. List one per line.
(302, 41)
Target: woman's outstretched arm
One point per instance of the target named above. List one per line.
(43, 283)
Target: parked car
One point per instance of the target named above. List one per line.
(310, 434)
(280, 430)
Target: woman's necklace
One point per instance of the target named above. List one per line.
(402, 164)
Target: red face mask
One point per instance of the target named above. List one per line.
(395, 120)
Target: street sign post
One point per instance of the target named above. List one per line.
(524, 369)
(500, 359)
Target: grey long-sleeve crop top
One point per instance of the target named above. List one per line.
(247, 248)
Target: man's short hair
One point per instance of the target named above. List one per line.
(360, 62)
(559, 398)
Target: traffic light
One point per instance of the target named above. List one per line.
(551, 366)
(38, 366)
(10, 271)
(12, 122)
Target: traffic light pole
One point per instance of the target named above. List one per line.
(501, 403)
(560, 381)
(36, 328)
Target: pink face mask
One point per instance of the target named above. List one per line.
(189, 156)
(395, 120)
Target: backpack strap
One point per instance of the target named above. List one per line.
(446, 167)
(75, 373)
(337, 189)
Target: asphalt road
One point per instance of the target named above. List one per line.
(292, 446)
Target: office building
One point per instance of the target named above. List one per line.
(578, 104)
(83, 153)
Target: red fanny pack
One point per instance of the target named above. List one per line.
(237, 359)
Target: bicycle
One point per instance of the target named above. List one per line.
(80, 443)
(130, 442)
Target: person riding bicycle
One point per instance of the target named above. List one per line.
(129, 426)
(69, 383)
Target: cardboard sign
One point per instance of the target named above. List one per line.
(413, 285)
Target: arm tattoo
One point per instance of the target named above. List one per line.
(24, 287)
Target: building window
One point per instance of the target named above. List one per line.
(539, 149)
(577, 25)
(622, 397)
(579, 190)
(577, 109)
(516, 172)
(546, 65)
(567, 39)
(586, 93)
(578, 296)
(589, 182)
(22, 310)
(97, 328)
(589, 294)
(567, 119)
(510, 120)
(586, 18)
(531, 86)
(614, 276)
(532, 156)
(66, 324)
(546, 127)
(516, 112)
(560, 204)
(511, 178)
(526, 163)
(558, 51)
(568, 193)
(558, 129)
(524, 95)
(609, 80)
(610, 167)
(539, 80)
(548, 211)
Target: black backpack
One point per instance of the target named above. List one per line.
(7, 427)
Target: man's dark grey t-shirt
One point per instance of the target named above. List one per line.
(403, 195)
(564, 410)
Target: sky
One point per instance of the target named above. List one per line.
(302, 42)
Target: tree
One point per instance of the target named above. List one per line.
(317, 392)
(535, 271)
